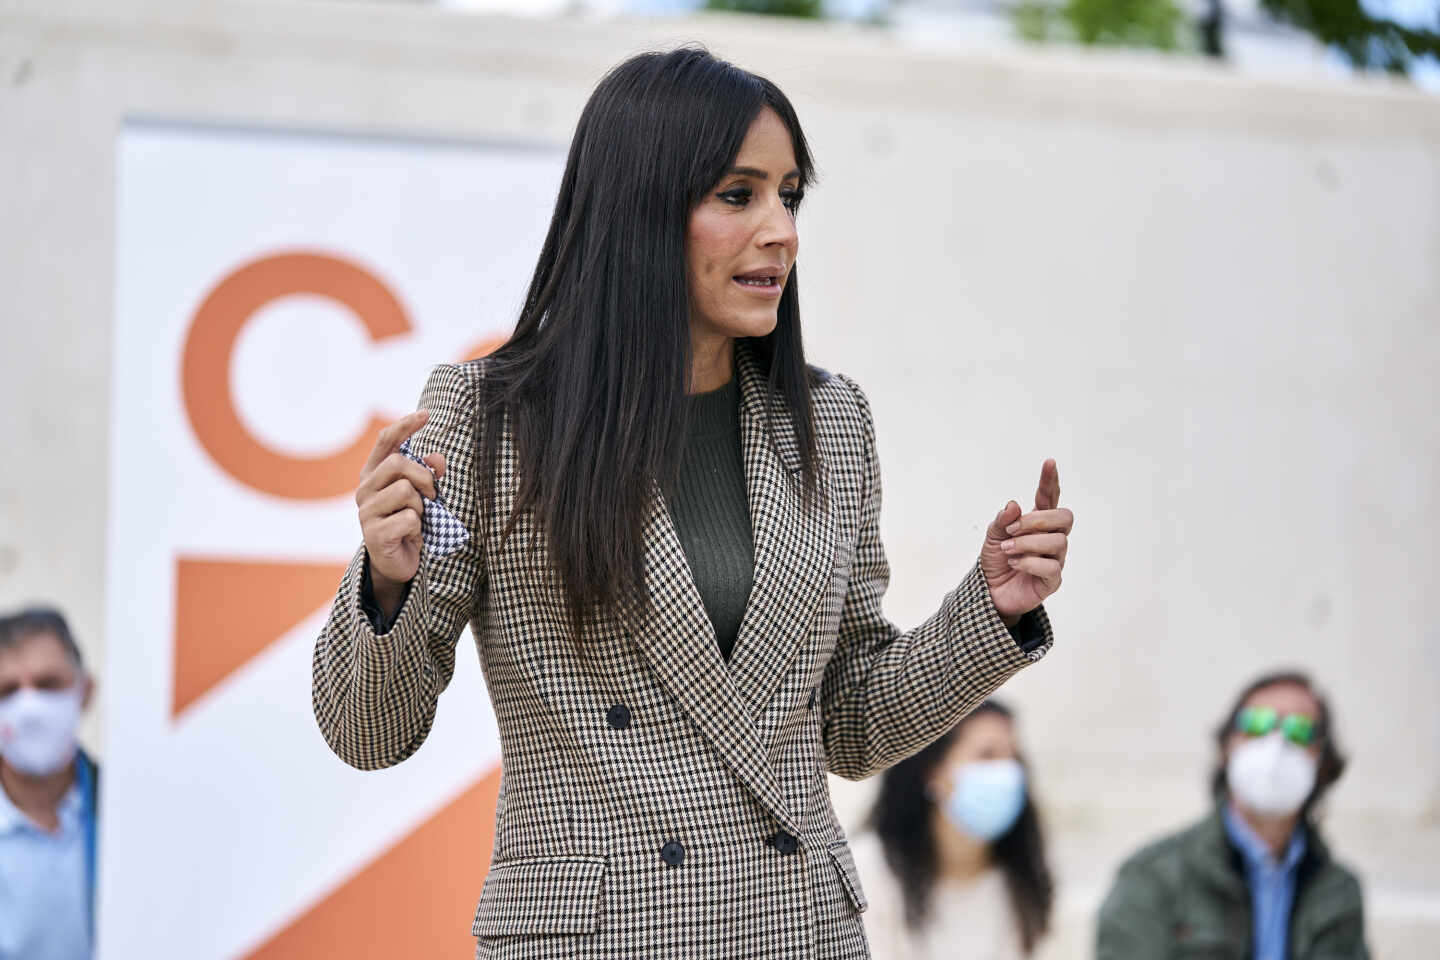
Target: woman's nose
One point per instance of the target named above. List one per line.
(779, 228)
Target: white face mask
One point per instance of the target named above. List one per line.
(38, 727)
(1270, 775)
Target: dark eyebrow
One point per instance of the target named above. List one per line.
(759, 174)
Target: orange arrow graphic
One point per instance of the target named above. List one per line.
(228, 611)
(414, 900)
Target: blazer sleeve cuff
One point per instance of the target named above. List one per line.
(379, 638)
(1033, 630)
(379, 623)
(986, 650)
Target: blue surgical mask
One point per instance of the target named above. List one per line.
(987, 798)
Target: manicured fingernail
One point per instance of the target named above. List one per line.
(1013, 528)
(1008, 546)
(1013, 561)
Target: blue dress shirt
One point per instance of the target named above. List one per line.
(44, 895)
(1271, 883)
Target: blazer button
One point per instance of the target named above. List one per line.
(811, 704)
(784, 842)
(673, 853)
(618, 716)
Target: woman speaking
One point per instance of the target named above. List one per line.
(663, 528)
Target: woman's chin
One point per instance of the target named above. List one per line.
(752, 325)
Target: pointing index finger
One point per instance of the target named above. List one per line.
(392, 436)
(1047, 494)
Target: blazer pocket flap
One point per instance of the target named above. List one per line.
(540, 895)
(845, 866)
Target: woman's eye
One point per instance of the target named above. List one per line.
(740, 196)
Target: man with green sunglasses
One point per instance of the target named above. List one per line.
(1254, 880)
(1298, 728)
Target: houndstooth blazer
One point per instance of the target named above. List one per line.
(655, 800)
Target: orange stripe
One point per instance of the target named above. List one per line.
(415, 900)
(484, 346)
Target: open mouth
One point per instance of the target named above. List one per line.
(760, 283)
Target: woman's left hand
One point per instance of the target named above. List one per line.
(1024, 554)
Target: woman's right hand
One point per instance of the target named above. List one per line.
(390, 504)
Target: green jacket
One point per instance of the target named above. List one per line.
(1185, 897)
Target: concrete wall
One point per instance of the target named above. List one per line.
(1212, 299)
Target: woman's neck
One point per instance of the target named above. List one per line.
(37, 797)
(958, 856)
(712, 363)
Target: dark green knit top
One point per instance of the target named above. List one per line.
(708, 503)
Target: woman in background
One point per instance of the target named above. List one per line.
(954, 861)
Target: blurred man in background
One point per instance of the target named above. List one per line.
(1253, 879)
(47, 804)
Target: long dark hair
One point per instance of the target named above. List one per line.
(1331, 763)
(903, 819)
(595, 374)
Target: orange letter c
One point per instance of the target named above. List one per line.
(209, 401)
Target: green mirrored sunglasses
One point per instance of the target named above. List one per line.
(1258, 721)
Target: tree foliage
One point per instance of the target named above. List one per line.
(1129, 23)
(1368, 41)
(809, 9)
(1365, 40)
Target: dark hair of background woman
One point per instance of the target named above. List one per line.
(1331, 763)
(595, 374)
(902, 818)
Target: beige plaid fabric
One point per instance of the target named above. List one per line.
(695, 822)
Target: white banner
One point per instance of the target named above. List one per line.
(279, 297)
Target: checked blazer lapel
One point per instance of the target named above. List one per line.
(794, 553)
(678, 639)
(794, 547)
